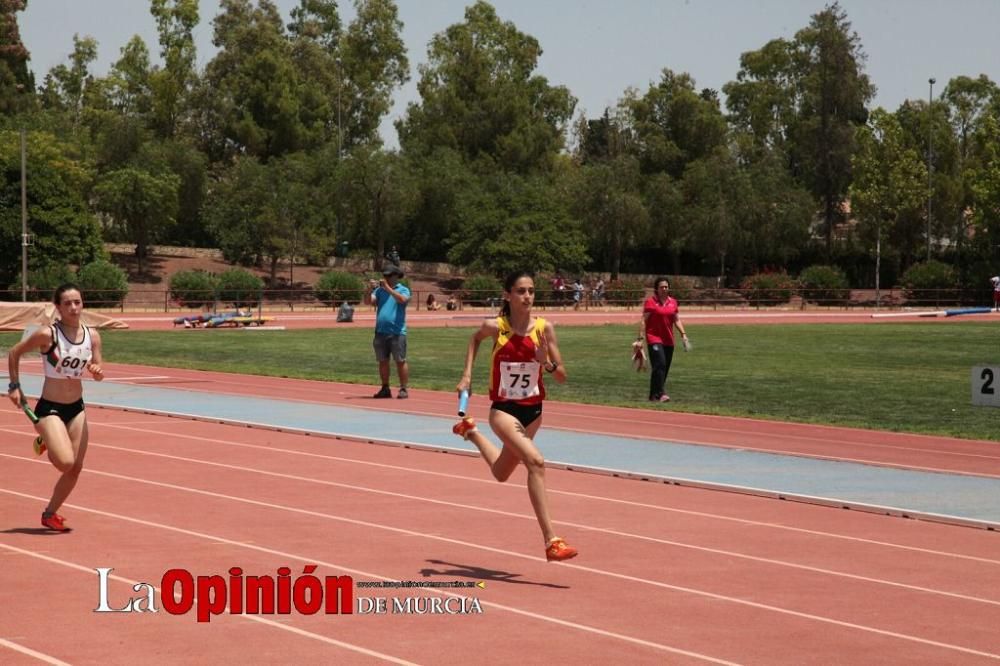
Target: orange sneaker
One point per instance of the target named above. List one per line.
(464, 427)
(55, 522)
(558, 551)
(39, 446)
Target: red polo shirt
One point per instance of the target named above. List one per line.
(661, 320)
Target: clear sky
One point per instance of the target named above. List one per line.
(598, 48)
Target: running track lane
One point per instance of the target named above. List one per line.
(911, 451)
(364, 317)
(668, 574)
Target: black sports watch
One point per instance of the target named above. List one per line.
(13, 385)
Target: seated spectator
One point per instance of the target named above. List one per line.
(432, 303)
(598, 297)
(345, 313)
(452, 304)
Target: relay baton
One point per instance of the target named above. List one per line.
(463, 402)
(28, 411)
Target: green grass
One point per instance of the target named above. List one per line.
(901, 377)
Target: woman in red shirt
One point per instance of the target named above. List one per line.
(659, 317)
(523, 346)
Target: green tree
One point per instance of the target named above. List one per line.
(253, 83)
(232, 211)
(889, 181)
(710, 191)
(675, 125)
(317, 21)
(315, 37)
(834, 96)
(65, 86)
(190, 166)
(17, 84)
(128, 86)
(263, 213)
(762, 101)
(986, 188)
(443, 179)
(780, 211)
(805, 98)
(142, 203)
(63, 230)
(170, 85)
(299, 226)
(517, 222)
(971, 103)
(120, 109)
(924, 124)
(374, 64)
(669, 226)
(609, 202)
(480, 96)
(377, 193)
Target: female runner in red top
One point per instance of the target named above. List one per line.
(522, 347)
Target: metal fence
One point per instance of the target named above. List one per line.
(278, 300)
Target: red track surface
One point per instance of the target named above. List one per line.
(364, 317)
(666, 574)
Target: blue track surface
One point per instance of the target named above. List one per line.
(951, 497)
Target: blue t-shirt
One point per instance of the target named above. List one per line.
(391, 316)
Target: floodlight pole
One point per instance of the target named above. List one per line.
(930, 162)
(24, 220)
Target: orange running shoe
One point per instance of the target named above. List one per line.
(559, 551)
(464, 427)
(39, 446)
(55, 522)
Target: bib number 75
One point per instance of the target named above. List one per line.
(519, 380)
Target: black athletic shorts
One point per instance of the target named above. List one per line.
(526, 414)
(65, 412)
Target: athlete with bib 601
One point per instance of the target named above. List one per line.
(68, 348)
(523, 346)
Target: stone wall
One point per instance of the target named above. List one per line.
(168, 251)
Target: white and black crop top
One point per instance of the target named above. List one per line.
(66, 359)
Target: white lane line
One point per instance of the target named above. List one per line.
(592, 570)
(599, 498)
(360, 573)
(511, 514)
(48, 659)
(253, 618)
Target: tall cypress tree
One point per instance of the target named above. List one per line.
(16, 81)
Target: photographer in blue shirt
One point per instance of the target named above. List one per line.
(390, 299)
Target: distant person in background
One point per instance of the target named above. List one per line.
(557, 288)
(598, 296)
(995, 281)
(452, 303)
(659, 317)
(577, 293)
(390, 299)
(432, 303)
(345, 313)
(393, 256)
